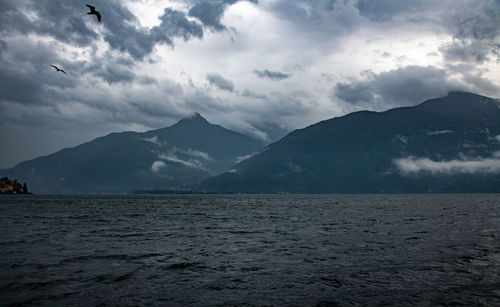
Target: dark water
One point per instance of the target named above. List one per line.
(283, 250)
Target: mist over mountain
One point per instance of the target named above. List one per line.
(176, 157)
(448, 144)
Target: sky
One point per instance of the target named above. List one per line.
(260, 67)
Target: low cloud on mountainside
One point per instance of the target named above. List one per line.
(189, 163)
(190, 157)
(153, 140)
(414, 166)
(157, 166)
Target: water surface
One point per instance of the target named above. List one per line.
(261, 250)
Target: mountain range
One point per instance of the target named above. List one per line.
(174, 158)
(443, 145)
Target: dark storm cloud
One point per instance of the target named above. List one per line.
(123, 32)
(140, 42)
(209, 13)
(220, 82)
(273, 75)
(399, 87)
(63, 21)
(175, 24)
(67, 21)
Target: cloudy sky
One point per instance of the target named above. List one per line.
(260, 67)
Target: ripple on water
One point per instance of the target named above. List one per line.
(319, 250)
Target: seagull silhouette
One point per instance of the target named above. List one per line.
(58, 69)
(94, 12)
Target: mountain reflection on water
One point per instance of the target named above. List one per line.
(250, 250)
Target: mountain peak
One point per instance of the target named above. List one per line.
(457, 92)
(461, 102)
(469, 95)
(179, 157)
(196, 116)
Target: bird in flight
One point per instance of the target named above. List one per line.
(94, 12)
(58, 69)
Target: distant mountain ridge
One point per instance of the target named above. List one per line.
(448, 144)
(176, 157)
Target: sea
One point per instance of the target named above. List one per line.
(250, 250)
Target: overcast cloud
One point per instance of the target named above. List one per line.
(258, 67)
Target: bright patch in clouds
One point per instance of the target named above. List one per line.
(147, 10)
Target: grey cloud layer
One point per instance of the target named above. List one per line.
(111, 91)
